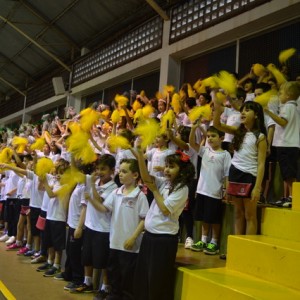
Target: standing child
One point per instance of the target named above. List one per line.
(55, 228)
(95, 248)
(129, 207)
(155, 272)
(248, 162)
(214, 172)
(286, 137)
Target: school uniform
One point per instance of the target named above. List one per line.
(155, 271)
(95, 250)
(127, 212)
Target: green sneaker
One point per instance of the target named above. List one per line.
(199, 246)
(211, 249)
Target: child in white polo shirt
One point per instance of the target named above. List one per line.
(129, 207)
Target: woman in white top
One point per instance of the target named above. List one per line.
(248, 162)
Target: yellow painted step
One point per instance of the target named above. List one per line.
(224, 284)
(296, 196)
(268, 258)
(281, 223)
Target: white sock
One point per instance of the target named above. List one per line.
(28, 246)
(105, 287)
(214, 241)
(204, 238)
(88, 280)
(57, 266)
(19, 243)
(50, 262)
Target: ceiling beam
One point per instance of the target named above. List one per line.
(54, 57)
(17, 66)
(158, 9)
(49, 23)
(12, 86)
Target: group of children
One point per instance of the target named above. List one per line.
(123, 216)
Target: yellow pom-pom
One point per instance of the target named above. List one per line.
(78, 144)
(148, 110)
(168, 89)
(72, 176)
(115, 116)
(148, 131)
(191, 92)
(138, 115)
(89, 117)
(264, 98)
(258, 70)
(227, 82)
(221, 98)
(286, 54)
(44, 166)
(74, 127)
(210, 82)
(159, 95)
(197, 84)
(38, 144)
(200, 111)
(136, 105)
(106, 113)
(20, 143)
(167, 121)
(121, 100)
(6, 155)
(176, 104)
(280, 78)
(114, 142)
(142, 93)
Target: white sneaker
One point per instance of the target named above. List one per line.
(11, 240)
(188, 243)
(4, 238)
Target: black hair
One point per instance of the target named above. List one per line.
(191, 102)
(126, 134)
(184, 132)
(186, 171)
(240, 93)
(262, 85)
(206, 96)
(106, 160)
(215, 130)
(259, 124)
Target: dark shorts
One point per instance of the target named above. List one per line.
(208, 209)
(55, 235)
(25, 209)
(236, 175)
(95, 250)
(34, 215)
(287, 158)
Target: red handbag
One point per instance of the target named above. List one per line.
(239, 189)
(41, 223)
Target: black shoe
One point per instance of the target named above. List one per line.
(72, 286)
(281, 202)
(44, 267)
(101, 295)
(83, 288)
(51, 272)
(60, 276)
(223, 256)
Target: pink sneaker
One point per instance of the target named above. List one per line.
(13, 246)
(22, 251)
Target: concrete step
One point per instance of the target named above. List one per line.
(281, 223)
(272, 259)
(225, 284)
